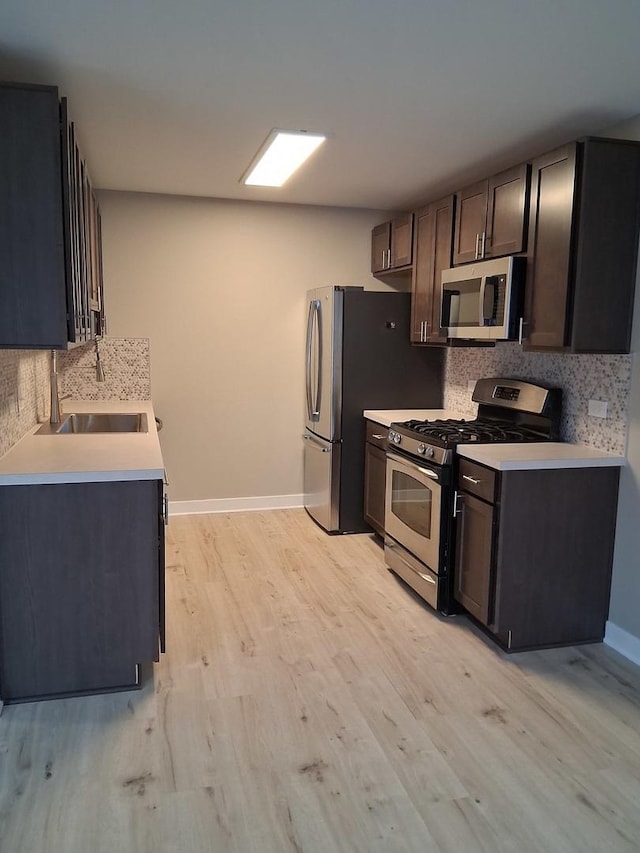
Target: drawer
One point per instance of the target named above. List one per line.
(477, 480)
(377, 434)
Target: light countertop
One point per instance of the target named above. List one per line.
(549, 454)
(89, 457)
(385, 417)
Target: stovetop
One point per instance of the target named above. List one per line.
(451, 431)
(436, 440)
(509, 410)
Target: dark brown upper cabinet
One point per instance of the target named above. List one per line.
(432, 247)
(583, 247)
(50, 245)
(391, 245)
(491, 216)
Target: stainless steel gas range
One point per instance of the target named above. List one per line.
(420, 498)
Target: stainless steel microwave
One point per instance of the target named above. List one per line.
(483, 301)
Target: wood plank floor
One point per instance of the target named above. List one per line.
(310, 702)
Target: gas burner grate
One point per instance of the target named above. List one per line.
(458, 431)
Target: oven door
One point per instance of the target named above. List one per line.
(412, 508)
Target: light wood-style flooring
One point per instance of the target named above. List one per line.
(310, 702)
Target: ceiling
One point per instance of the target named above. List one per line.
(418, 96)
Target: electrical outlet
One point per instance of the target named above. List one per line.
(598, 408)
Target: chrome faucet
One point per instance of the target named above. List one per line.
(99, 367)
(54, 412)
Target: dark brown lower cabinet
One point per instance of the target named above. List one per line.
(375, 475)
(474, 555)
(81, 586)
(534, 565)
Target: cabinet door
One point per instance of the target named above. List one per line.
(433, 237)
(375, 479)
(507, 212)
(380, 245)
(32, 261)
(551, 215)
(474, 554)
(78, 586)
(422, 278)
(401, 240)
(163, 520)
(471, 210)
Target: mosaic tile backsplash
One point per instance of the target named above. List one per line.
(126, 365)
(24, 381)
(581, 377)
(24, 393)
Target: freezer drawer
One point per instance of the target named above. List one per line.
(322, 481)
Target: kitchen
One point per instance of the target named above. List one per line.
(193, 276)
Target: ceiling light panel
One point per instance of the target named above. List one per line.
(283, 152)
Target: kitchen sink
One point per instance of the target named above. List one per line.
(98, 422)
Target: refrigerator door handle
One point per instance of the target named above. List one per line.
(315, 414)
(308, 357)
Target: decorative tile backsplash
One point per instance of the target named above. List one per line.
(24, 393)
(127, 370)
(581, 377)
(24, 381)
(24, 384)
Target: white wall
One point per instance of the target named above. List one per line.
(219, 289)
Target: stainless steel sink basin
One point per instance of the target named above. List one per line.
(98, 422)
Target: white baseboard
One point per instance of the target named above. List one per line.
(622, 641)
(235, 504)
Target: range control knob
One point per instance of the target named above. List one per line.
(425, 450)
(396, 438)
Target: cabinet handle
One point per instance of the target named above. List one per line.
(523, 323)
(456, 508)
(388, 259)
(471, 479)
(483, 241)
(383, 257)
(477, 254)
(378, 436)
(165, 501)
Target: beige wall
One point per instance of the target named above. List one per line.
(219, 289)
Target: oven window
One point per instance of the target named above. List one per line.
(411, 502)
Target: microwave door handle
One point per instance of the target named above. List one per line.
(483, 287)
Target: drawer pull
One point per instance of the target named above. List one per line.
(471, 479)
(378, 436)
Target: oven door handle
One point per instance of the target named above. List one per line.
(411, 466)
(429, 473)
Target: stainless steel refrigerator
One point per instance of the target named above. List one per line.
(358, 357)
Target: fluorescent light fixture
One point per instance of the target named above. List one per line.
(282, 153)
